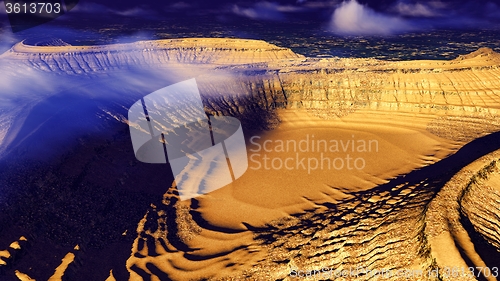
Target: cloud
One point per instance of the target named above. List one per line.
(352, 18)
(91, 8)
(437, 4)
(135, 12)
(265, 11)
(7, 40)
(442, 14)
(414, 10)
(318, 4)
(134, 37)
(180, 5)
(2, 8)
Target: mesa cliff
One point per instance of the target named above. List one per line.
(82, 59)
(273, 77)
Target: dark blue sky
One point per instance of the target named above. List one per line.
(431, 9)
(397, 15)
(471, 6)
(349, 17)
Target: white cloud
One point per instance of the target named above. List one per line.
(92, 8)
(135, 12)
(265, 11)
(352, 18)
(7, 40)
(414, 10)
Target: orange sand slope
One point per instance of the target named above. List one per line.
(417, 112)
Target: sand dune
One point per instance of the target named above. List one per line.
(410, 125)
(419, 112)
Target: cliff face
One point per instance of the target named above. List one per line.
(278, 78)
(88, 59)
(451, 92)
